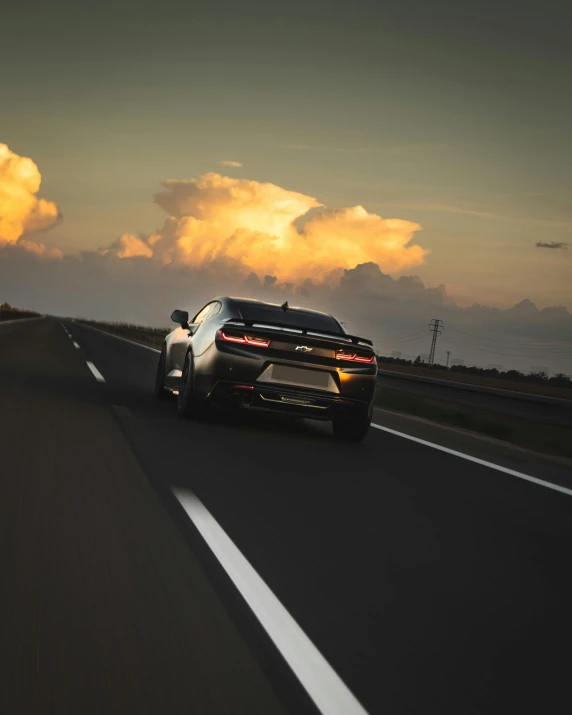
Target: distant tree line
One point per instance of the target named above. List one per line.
(8, 312)
(535, 378)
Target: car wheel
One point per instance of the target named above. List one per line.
(351, 425)
(187, 403)
(160, 392)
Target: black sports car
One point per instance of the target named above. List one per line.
(264, 356)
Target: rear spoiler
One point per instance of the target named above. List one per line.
(299, 330)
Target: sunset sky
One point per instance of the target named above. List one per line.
(453, 117)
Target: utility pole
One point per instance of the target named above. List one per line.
(448, 356)
(435, 326)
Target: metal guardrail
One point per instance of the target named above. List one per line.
(515, 394)
(541, 408)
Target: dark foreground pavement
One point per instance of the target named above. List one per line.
(105, 609)
(429, 583)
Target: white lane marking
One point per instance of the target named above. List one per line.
(139, 345)
(506, 470)
(322, 683)
(98, 376)
(76, 345)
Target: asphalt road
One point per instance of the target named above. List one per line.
(428, 582)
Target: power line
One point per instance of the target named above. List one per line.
(408, 333)
(533, 345)
(494, 350)
(546, 355)
(503, 340)
(412, 340)
(535, 349)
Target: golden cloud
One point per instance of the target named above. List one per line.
(250, 225)
(217, 218)
(21, 212)
(129, 246)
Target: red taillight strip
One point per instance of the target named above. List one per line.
(251, 340)
(244, 339)
(352, 356)
(232, 338)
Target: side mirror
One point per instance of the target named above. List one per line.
(181, 317)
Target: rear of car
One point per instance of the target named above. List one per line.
(294, 361)
(267, 357)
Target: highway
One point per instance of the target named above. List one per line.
(426, 581)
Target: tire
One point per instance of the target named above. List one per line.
(187, 403)
(160, 392)
(351, 425)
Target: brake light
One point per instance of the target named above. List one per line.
(343, 355)
(244, 339)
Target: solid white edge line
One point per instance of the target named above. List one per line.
(321, 682)
(484, 463)
(98, 376)
(139, 345)
(76, 345)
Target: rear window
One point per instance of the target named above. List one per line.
(297, 318)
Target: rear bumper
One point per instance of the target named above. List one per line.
(222, 366)
(283, 399)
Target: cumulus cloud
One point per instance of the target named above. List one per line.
(128, 246)
(21, 211)
(216, 219)
(241, 237)
(39, 249)
(552, 244)
(231, 163)
(368, 301)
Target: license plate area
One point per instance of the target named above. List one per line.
(300, 377)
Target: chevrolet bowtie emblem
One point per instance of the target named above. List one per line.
(304, 348)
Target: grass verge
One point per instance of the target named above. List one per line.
(537, 436)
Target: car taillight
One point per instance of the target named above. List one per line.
(344, 355)
(341, 355)
(244, 339)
